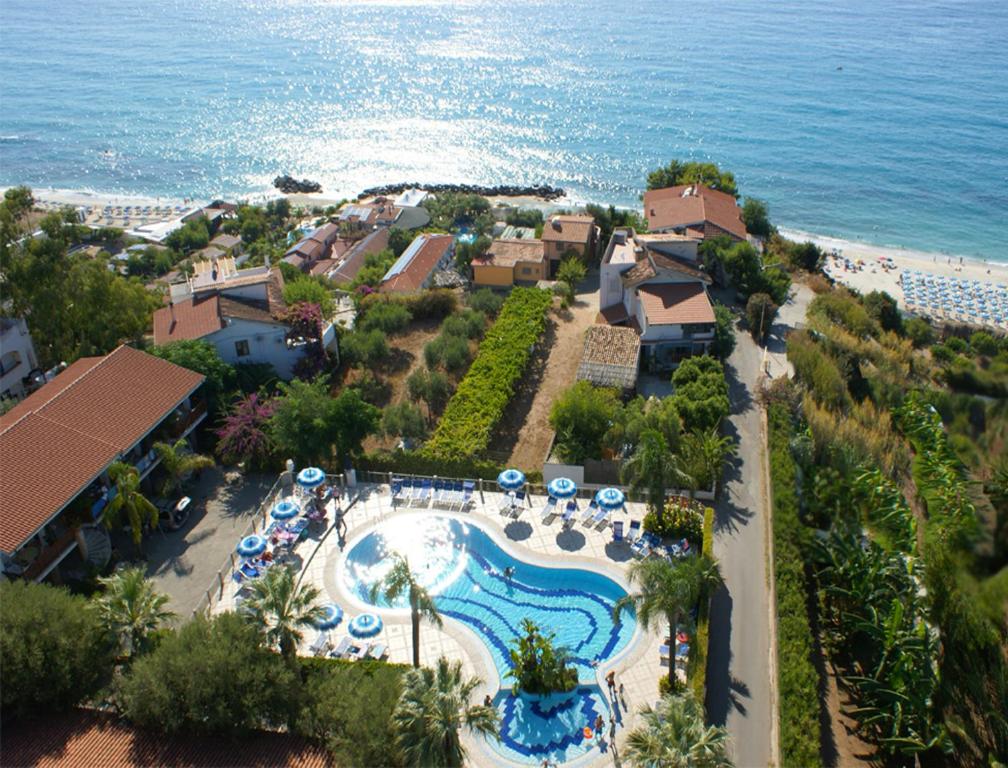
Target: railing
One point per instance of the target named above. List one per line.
(197, 412)
(51, 554)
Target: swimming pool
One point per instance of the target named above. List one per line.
(464, 569)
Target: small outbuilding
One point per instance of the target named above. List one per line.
(611, 357)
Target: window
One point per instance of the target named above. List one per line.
(526, 270)
(242, 348)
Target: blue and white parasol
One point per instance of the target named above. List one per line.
(511, 479)
(285, 510)
(610, 499)
(562, 488)
(310, 477)
(365, 625)
(252, 545)
(332, 616)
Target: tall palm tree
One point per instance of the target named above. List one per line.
(281, 608)
(433, 707)
(653, 468)
(400, 581)
(668, 590)
(129, 500)
(675, 734)
(178, 461)
(705, 452)
(130, 608)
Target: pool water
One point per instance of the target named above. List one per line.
(465, 571)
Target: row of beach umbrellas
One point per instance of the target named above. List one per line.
(255, 544)
(563, 488)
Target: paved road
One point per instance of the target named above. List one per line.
(738, 681)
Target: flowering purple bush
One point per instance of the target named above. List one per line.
(305, 321)
(243, 435)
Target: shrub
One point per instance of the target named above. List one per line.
(537, 664)
(309, 290)
(244, 435)
(942, 354)
(467, 324)
(760, 312)
(817, 370)
(983, 343)
(724, 332)
(572, 271)
(404, 420)
(843, 308)
(919, 331)
(374, 389)
(683, 519)
(426, 305)
(211, 676)
(365, 348)
(452, 352)
(387, 317)
(697, 667)
(756, 218)
(798, 681)
(418, 463)
(524, 217)
(486, 301)
(883, 310)
(701, 393)
(53, 649)
(430, 386)
(581, 416)
(482, 396)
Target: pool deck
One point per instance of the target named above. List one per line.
(638, 666)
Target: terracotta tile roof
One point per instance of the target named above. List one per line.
(507, 253)
(355, 256)
(666, 261)
(193, 318)
(60, 437)
(612, 315)
(417, 269)
(326, 233)
(691, 206)
(639, 272)
(307, 249)
(675, 303)
(209, 253)
(83, 739)
(226, 241)
(247, 309)
(611, 345)
(569, 228)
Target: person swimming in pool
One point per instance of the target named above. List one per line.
(509, 572)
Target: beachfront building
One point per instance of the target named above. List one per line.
(363, 217)
(507, 262)
(569, 233)
(231, 245)
(414, 269)
(695, 210)
(242, 313)
(57, 444)
(314, 247)
(654, 284)
(18, 362)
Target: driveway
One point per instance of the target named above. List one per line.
(184, 563)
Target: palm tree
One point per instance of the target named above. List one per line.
(705, 452)
(178, 461)
(652, 469)
(130, 608)
(398, 581)
(433, 707)
(668, 590)
(129, 500)
(282, 608)
(675, 734)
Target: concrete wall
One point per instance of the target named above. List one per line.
(266, 343)
(488, 274)
(18, 354)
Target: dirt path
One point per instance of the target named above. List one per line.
(526, 425)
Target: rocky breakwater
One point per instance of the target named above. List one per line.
(544, 191)
(289, 185)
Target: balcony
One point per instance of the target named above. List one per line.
(51, 555)
(184, 423)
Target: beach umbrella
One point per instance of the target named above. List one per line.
(365, 625)
(310, 477)
(285, 510)
(511, 479)
(252, 545)
(562, 488)
(332, 616)
(610, 499)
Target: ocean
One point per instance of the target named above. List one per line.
(877, 120)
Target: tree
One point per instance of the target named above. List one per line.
(640, 415)
(760, 312)
(537, 666)
(724, 332)
(677, 173)
(399, 240)
(281, 608)
(353, 420)
(704, 453)
(244, 435)
(433, 708)
(54, 651)
(524, 217)
(309, 290)
(129, 501)
(178, 461)
(131, 609)
(701, 392)
(404, 420)
(399, 581)
(675, 733)
(430, 386)
(571, 271)
(202, 357)
(755, 217)
(17, 202)
(466, 252)
(663, 589)
(486, 301)
(211, 676)
(653, 469)
(882, 308)
(807, 256)
(191, 236)
(581, 417)
(387, 317)
(364, 348)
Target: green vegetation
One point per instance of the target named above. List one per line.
(450, 210)
(486, 301)
(761, 311)
(178, 462)
(678, 172)
(724, 332)
(466, 252)
(538, 665)
(400, 582)
(675, 733)
(756, 217)
(704, 453)
(680, 518)
(481, 397)
(281, 608)
(202, 357)
(129, 502)
(745, 268)
(309, 290)
(697, 666)
(581, 417)
(432, 387)
(611, 218)
(54, 650)
(652, 469)
(524, 217)
(131, 609)
(572, 270)
(404, 419)
(191, 236)
(387, 317)
(435, 304)
(806, 256)
(376, 265)
(364, 348)
(701, 393)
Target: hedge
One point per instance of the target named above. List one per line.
(426, 305)
(417, 463)
(698, 650)
(482, 396)
(798, 681)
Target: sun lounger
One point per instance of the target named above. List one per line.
(320, 644)
(458, 495)
(343, 648)
(505, 505)
(468, 488)
(634, 533)
(520, 498)
(589, 514)
(617, 530)
(569, 511)
(377, 651)
(549, 510)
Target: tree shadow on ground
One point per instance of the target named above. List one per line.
(570, 540)
(738, 391)
(720, 697)
(518, 530)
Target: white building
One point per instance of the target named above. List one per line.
(241, 312)
(17, 358)
(654, 284)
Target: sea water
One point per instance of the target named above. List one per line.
(885, 120)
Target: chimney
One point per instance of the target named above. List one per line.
(556, 224)
(214, 270)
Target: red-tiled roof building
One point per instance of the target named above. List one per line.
(695, 209)
(415, 268)
(568, 232)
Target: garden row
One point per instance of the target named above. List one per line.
(479, 402)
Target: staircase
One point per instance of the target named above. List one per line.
(98, 544)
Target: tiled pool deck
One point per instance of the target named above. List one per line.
(638, 667)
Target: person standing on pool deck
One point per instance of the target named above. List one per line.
(610, 680)
(612, 730)
(599, 725)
